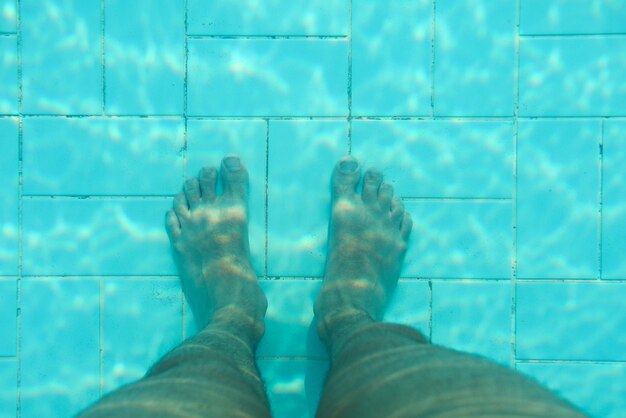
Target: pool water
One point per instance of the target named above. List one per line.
(500, 123)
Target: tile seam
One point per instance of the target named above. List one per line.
(600, 196)
(514, 191)
(350, 69)
(433, 30)
(20, 234)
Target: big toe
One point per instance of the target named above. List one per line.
(345, 177)
(234, 178)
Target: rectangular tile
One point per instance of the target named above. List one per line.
(289, 331)
(8, 16)
(293, 386)
(473, 317)
(603, 393)
(613, 192)
(391, 63)
(561, 17)
(144, 57)
(8, 317)
(260, 77)
(8, 74)
(439, 158)
(62, 351)
(61, 65)
(250, 17)
(557, 194)
(572, 77)
(8, 387)
(208, 141)
(459, 239)
(410, 305)
(301, 158)
(9, 195)
(102, 156)
(96, 237)
(474, 58)
(571, 321)
(142, 321)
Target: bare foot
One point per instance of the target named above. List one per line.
(209, 237)
(367, 241)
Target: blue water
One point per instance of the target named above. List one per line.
(501, 124)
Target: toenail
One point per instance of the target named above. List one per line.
(232, 163)
(348, 166)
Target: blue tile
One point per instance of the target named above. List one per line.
(8, 75)
(260, 77)
(288, 322)
(60, 367)
(440, 158)
(9, 196)
(277, 17)
(613, 203)
(144, 57)
(102, 156)
(61, 57)
(603, 393)
(560, 17)
(301, 159)
(410, 305)
(96, 237)
(474, 58)
(293, 386)
(572, 76)
(8, 387)
(474, 317)
(8, 317)
(391, 63)
(459, 239)
(142, 321)
(8, 16)
(571, 321)
(557, 209)
(208, 141)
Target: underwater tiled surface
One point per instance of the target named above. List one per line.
(499, 123)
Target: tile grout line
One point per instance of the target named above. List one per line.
(20, 207)
(103, 58)
(514, 195)
(433, 31)
(266, 220)
(185, 137)
(101, 280)
(430, 311)
(561, 36)
(269, 37)
(600, 195)
(349, 41)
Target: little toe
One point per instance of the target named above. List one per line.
(371, 182)
(192, 192)
(172, 225)
(345, 177)
(385, 194)
(406, 226)
(181, 207)
(397, 211)
(234, 178)
(207, 179)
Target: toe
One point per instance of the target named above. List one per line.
(397, 211)
(385, 194)
(207, 179)
(181, 207)
(234, 178)
(371, 183)
(192, 192)
(172, 225)
(406, 225)
(345, 177)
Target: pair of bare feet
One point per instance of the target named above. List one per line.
(368, 236)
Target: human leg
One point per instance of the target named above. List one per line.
(213, 373)
(388, 370)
